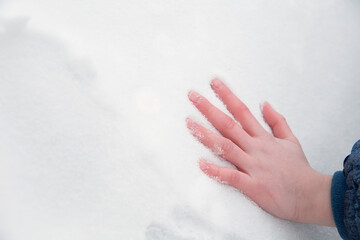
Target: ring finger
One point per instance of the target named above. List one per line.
(220, 146)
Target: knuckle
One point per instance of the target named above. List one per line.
(279, 121)
(234, 178)
(217, 172)
(294, 140)
(266, 148)
(282, 118)
(243, 108)
(229, 123)
(227, 146)
(266, 136)
(207, 108)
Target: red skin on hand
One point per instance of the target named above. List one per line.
(272, 169)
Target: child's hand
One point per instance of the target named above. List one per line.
(272, 170)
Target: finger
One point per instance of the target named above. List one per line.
(238, 109)
(222, 122)
(277, 123)
(220, 146)
(229, 176)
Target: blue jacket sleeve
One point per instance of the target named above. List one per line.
(345, 196)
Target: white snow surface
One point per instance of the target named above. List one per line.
(93, 101)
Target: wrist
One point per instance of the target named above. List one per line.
(318, 208)
(324, 202)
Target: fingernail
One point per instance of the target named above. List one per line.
(189, 123)
(194, 96)
(262, 106)
(193, 127)
(216, 83)
(267, 103)
(203, 166)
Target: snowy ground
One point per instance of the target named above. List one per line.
(93, 101)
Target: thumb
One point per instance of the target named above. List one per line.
(277, 123)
